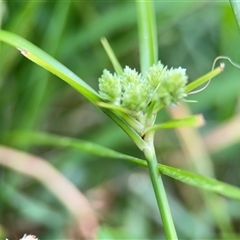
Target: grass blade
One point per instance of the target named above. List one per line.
(203, 79)
(192, 121)
(147, 34)
(116, 65)
(206, 183)
(41, 58)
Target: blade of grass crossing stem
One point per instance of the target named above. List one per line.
(206, 183)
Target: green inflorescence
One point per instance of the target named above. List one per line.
(139, 93)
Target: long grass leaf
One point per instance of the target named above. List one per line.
(41, 58)
(206, 183)
(44, 60)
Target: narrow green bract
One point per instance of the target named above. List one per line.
(135, 94)
(171, 89)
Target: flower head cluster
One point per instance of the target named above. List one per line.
(157, 88)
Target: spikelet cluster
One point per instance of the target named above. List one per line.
(157, 88)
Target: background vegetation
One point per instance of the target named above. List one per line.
(191, 35)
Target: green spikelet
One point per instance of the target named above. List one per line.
(110, 87)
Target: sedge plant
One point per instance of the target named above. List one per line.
(132, 99)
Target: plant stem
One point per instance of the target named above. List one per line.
(207, 77)
(147, 34)
(159, 190)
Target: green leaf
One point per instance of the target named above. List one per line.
(206, 183)
(44, 60)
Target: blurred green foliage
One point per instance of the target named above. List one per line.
(191, 34)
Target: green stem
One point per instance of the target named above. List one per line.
(159, 190)
(116, 65)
